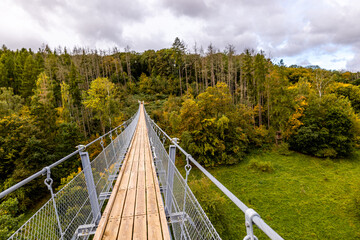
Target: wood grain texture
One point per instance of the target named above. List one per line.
(135, 209)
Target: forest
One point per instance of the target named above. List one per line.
(221, 104)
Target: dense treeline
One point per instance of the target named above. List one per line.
(220, 105)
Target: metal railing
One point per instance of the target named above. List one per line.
(193, 223)
(73, 211)
(187, 218)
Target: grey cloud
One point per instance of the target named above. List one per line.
(284, 28)
(354, 64)
(155, 40)
(303, 62)
(335, 60)
(18, 41)
(191, 8)
(91, 20)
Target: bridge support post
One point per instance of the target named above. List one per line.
(90, 184)
(170, 179)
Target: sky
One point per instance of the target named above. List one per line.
(302, 32)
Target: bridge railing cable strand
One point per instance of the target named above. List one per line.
(73, 211)
(197, 223)
(186, 216)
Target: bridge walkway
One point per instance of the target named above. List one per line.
(135, 209)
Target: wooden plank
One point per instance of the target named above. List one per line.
(127, 172)
(163, 221)
(129, 208)
(103, 221)
(164, 226)
(151, 201)
(112, 228)
(160, 204)
(150, 188)
(154, 224)
(150, 192)
(137, 209)
(127, 218)
(140, 230)
(126, 227)
(135, 167)
(140, 208)
(148, 170)
(141, 175)
(118, 207)
(154, 230)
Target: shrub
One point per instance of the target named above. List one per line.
(212, 203)
(328, 128)
(263, 166)
(283, 149)
(9, 217)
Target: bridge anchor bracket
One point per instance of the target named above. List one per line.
(177, 217)
(249, 215)
(112, 177)
(104, 195)
(85, 230)
(160, 172)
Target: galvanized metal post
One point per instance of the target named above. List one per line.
(249, 215)
(170, 179)
(90, 184)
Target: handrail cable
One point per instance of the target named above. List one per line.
(255, 218)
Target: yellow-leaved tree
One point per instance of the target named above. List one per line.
(101, 99)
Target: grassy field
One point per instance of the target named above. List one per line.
(302, 198)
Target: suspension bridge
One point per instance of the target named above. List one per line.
(130, 190)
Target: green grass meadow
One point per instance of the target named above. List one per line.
(299, 196)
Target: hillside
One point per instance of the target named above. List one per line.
(301, 197)
(222, 105)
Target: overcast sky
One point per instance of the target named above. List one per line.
(303, 32)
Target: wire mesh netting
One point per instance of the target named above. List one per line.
(190, 220)
(72, 201)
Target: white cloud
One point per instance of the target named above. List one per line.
(317, 31)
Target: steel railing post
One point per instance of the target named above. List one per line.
(170, 179)
(90, 184)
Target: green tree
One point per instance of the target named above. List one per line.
(29, 76)
(24, 149)
(215, 101)
(178, 48)
(66, 101)
(7, 70)
(209, 133)
(43, 104)
(329, 126)
(9, 103)
(247, 86)
(146, 85)
(349, 91)
(9, 218)
(101, 98)
(261, 70)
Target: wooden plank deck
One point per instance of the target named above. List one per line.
(135, 209)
